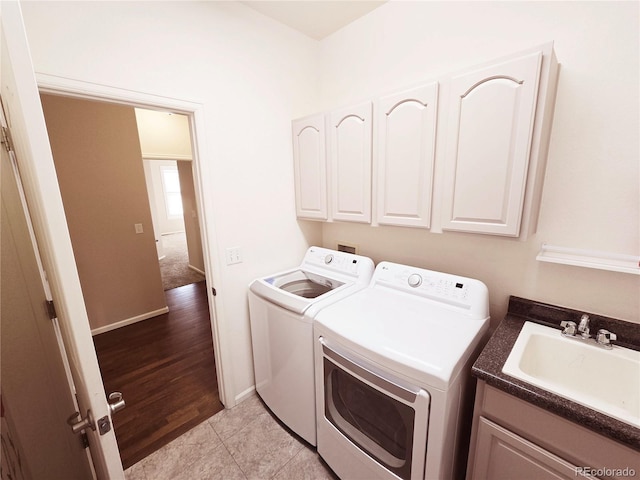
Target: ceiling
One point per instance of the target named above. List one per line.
(314, 18)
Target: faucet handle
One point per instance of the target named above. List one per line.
(604, 338)
(583, 327)
(569, 328)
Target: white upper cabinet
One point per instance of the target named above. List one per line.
(310, 167)
(484, 174)
(405, 156)
(493, 115)
(350, 154)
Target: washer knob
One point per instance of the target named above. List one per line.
(328, 259)
(414, 280)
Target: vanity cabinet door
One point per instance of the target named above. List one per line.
(405, 158)
(501, 454)
(350, 139)
(491, 115)
(310, 167)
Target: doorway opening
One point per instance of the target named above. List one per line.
(175, 221)
(205, 309)
(163, 366)
(165, 142)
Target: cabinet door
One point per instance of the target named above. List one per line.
(488, 140)
(310, 167)
(501, 454)
(406, 148)
(351, 163)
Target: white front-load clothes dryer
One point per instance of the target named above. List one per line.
(393, 364)
(282, 308)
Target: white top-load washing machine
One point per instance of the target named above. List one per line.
(282, 308)
(393, 368)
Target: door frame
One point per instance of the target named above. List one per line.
(55, 85)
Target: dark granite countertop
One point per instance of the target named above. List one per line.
(488, 366)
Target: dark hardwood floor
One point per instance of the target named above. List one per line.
(165, 369)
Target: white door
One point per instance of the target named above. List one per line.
(488, 143)
(406, 150)
(351, 163)
(310, 167)
(35, 162)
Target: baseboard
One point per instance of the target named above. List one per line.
(129, 321)
(196, 269)
(242, 396)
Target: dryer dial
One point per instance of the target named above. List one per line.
(328, 259)
(415, 280)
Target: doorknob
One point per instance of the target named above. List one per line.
(116, 402)
(78, 423)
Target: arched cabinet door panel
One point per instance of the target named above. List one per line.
(310, 167)
(350, 140)
(488, 143)
(405, 156)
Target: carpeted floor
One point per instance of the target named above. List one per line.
(175, 265)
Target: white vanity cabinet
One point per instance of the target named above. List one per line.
(350, 131)
(406, 131)
(310, 167)
(498, 123)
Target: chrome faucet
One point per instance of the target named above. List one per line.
(604, 338)
(569, 328)
(583, 326)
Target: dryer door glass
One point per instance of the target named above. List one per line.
(304, 284)
(380, 425)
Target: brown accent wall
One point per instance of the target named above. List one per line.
(98, 161)
(190, 213)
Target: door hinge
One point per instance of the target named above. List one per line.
(84, 438)
(51, 310)
(213, 291)
(6, 139)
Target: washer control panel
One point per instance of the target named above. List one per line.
(454, 290)
(336, 261)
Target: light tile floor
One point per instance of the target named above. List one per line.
(241, 443)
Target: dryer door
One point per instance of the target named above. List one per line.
(380, 415)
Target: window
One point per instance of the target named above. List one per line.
(171, 188)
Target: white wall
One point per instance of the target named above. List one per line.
(591, 194)
(155, 215)
(251, 74)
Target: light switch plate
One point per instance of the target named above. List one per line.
(234, 255)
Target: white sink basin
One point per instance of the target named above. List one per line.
(604, 380)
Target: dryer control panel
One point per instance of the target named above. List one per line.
(460, 292)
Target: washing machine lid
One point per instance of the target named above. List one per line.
(324, 276)
(304, 284)
(298, 289)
